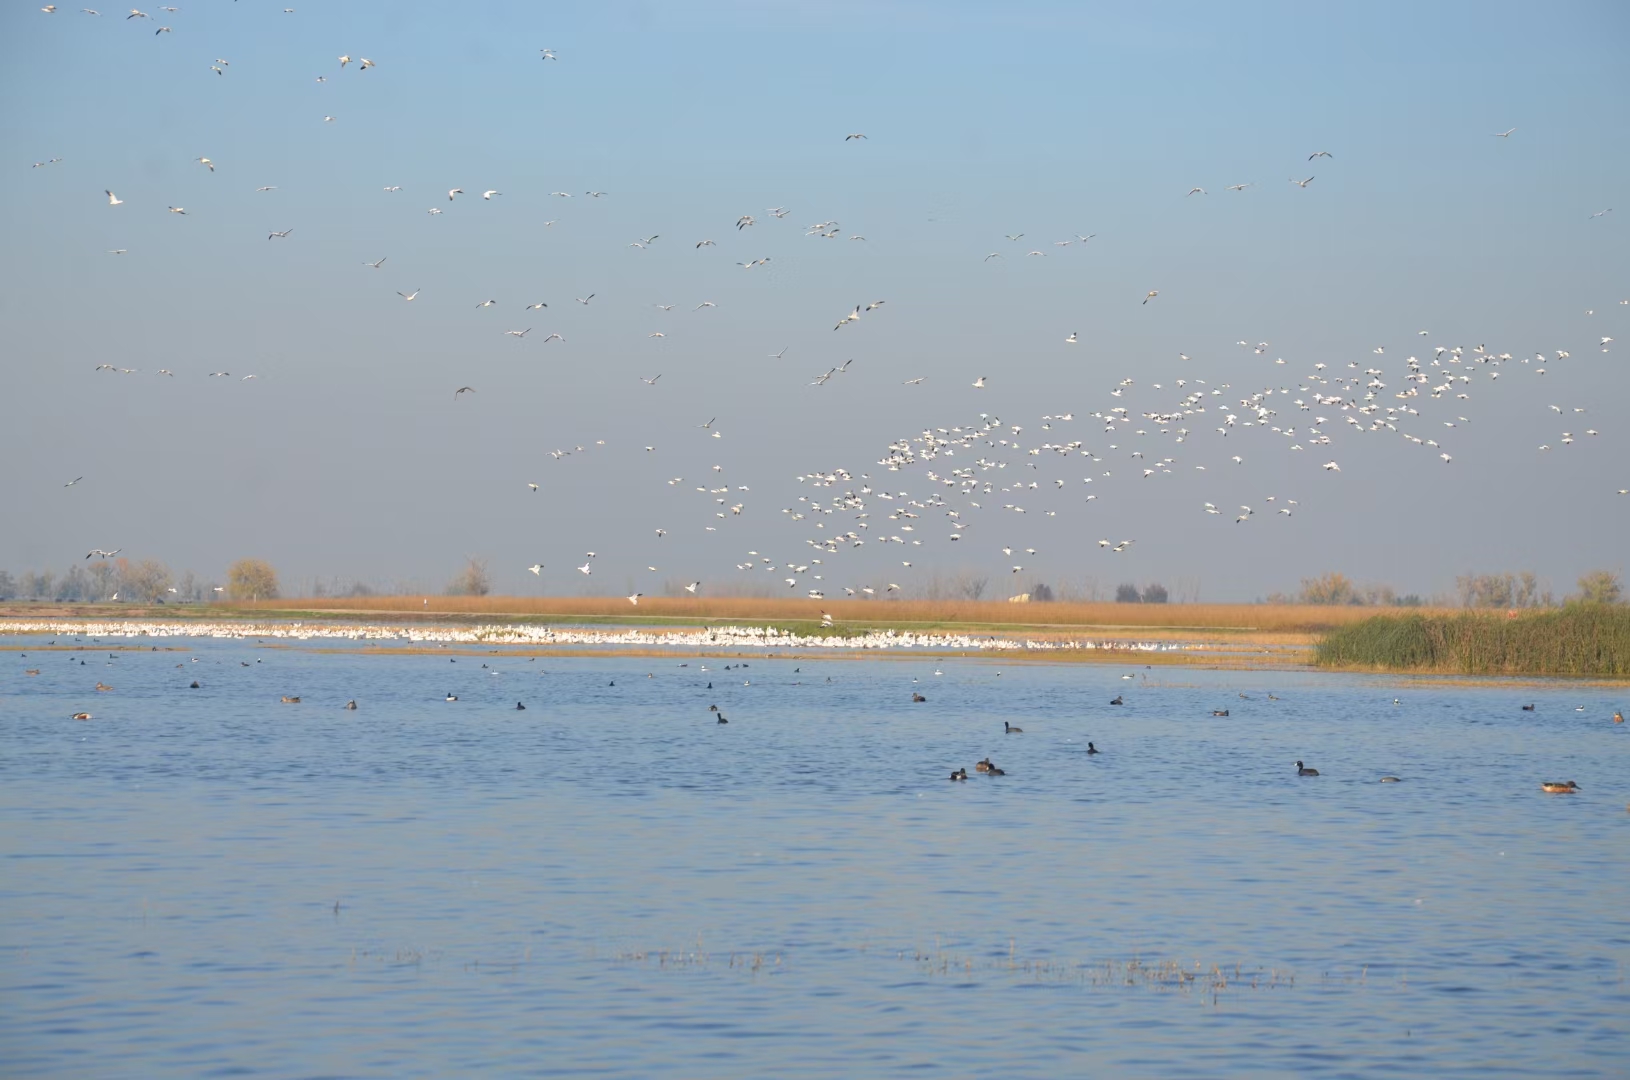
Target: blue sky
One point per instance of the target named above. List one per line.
(348, 456)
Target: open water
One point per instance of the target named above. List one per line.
(208, 882)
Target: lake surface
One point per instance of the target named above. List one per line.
(207, 882)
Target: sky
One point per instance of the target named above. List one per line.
(348, 456)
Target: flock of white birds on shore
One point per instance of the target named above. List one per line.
(981, 480)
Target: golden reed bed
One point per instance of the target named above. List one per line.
(1242, 618)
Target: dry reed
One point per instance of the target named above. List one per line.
(918, 614)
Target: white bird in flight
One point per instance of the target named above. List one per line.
(114, 200)
(406, 296)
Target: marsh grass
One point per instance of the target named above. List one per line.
(1580, 639)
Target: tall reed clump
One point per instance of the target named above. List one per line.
(1580, 639)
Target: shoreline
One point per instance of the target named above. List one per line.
(401, 637)
(578, 640)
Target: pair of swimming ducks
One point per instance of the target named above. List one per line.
(990, 768)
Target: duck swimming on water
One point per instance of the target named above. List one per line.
(959, 774)
(450, 696)
(1091, 749)
(1556, 788)
(519, 707)
(1009, 729)
(1527, 708)
(1116, 700)
(1303, 770)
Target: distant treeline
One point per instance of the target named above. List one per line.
(1520, 590)
(145, 581)
(1582, 638)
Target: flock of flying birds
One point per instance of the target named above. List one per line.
(979, 474)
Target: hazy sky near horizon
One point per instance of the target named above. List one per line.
(348, 455)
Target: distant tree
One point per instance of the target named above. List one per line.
(971, 585)
(76, 584)
(1376, 595)
(1501, 590)
(1328, 588)
(37, 585)
(1407, 600)
(1154, 593)
(1601, 587)
(105, 576)
(145, 581)
(251, 579)
(472, 580)
(358, 589)
(8, 585)
(1127, 594)
(1042, 594)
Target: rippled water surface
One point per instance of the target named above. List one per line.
(210, 882)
